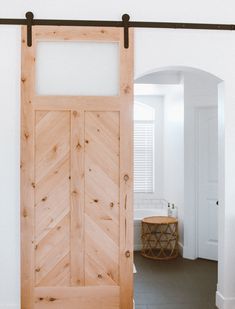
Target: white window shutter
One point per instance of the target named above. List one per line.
(144, 156)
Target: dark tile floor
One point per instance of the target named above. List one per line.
(176, 284)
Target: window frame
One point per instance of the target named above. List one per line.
(157, 103)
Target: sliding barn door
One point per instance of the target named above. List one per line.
(76, 169)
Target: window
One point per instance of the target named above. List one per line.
(82, 68)
(144, 136)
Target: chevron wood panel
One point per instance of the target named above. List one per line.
(102, 198)
(52, 198)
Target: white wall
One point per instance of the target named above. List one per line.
(9, 165)
(155, 48)
(182, 10)
(200, 90)
(173, 161)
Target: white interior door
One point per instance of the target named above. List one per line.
(208, 183)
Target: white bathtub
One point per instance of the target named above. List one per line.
(139, 214)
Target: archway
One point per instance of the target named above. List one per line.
(158, 82)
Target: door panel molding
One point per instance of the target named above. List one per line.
(207, 181)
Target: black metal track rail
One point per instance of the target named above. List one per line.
(126, 23)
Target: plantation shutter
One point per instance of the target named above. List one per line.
(143, 156)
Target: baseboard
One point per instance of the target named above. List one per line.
(187, 254)
(9, 306)
(181, 248)
(137, 247)
(224, 302)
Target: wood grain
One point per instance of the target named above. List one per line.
(102, 198)
(76, 186)
(126, 175)
(71, 33)
(52, 198)
(77, 198)
(27, 184)
(77, 297)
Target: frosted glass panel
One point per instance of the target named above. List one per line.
(77, 68)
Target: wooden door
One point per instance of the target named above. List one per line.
(76, 186)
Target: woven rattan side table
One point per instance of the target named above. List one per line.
(160, 238)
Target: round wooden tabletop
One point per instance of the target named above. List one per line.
(160, 220)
